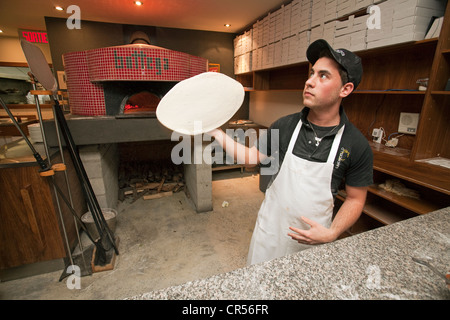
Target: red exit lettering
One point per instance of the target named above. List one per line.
(33, 36)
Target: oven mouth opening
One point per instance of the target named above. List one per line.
(143, 101)
(134, 99)
(141, 104)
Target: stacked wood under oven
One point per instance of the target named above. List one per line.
(147, 171)
(149, 180)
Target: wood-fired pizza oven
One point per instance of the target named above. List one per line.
(99, 80)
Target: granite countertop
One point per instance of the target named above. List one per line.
(372, 265)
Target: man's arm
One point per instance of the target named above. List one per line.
(347, 215)
(241, 153)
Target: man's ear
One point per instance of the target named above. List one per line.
(346, 89)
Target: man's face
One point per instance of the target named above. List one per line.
(324, 86)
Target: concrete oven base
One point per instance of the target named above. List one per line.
(101, 163)
(97, 138)
(198, 179)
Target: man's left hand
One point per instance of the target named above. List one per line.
(316, 234)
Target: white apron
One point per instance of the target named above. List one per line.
(301, 188)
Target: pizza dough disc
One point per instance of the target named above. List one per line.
(201, 103)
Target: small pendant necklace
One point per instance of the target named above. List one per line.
(318, 140)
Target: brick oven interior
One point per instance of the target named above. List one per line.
(118, 93)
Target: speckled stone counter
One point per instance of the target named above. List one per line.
(373, 265)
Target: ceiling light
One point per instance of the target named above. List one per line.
(59, 8)
(1, 30)
(227, 25)
(138, 3)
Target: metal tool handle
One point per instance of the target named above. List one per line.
(432, 268)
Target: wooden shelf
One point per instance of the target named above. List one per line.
(397, 152)
(445, 93)
(422, 174)
(404, 46)
(376, 211)
(380, 214)
(397, 47)
(440, 162)
(28, 106)
(392, 91)
(293, 76)
(419, 206)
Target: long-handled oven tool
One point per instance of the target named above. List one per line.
(48, 170)
(40, 69)
(36, 93)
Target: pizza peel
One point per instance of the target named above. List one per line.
(39, 66)
(41, 70)
(201, 103)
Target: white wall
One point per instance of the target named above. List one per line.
(265, 107)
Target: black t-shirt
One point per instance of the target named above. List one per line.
(354, 159)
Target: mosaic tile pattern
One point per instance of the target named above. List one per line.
(86, 70)
(86, 98)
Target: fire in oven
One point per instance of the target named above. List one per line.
(125, 99)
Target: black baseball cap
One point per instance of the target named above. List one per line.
(346, 59)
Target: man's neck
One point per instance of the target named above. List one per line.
(323, 118)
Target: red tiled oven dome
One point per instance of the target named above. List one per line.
(89, 72)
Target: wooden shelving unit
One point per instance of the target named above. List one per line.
(375, 211)
(402, 92)
(444, 93)
(415, 205)
(388, 88)
(379, 212)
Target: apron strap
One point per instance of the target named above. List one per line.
(335, 146)
(294, 137)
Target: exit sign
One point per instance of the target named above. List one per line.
(33, 36)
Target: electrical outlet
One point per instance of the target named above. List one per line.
(377, 134)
